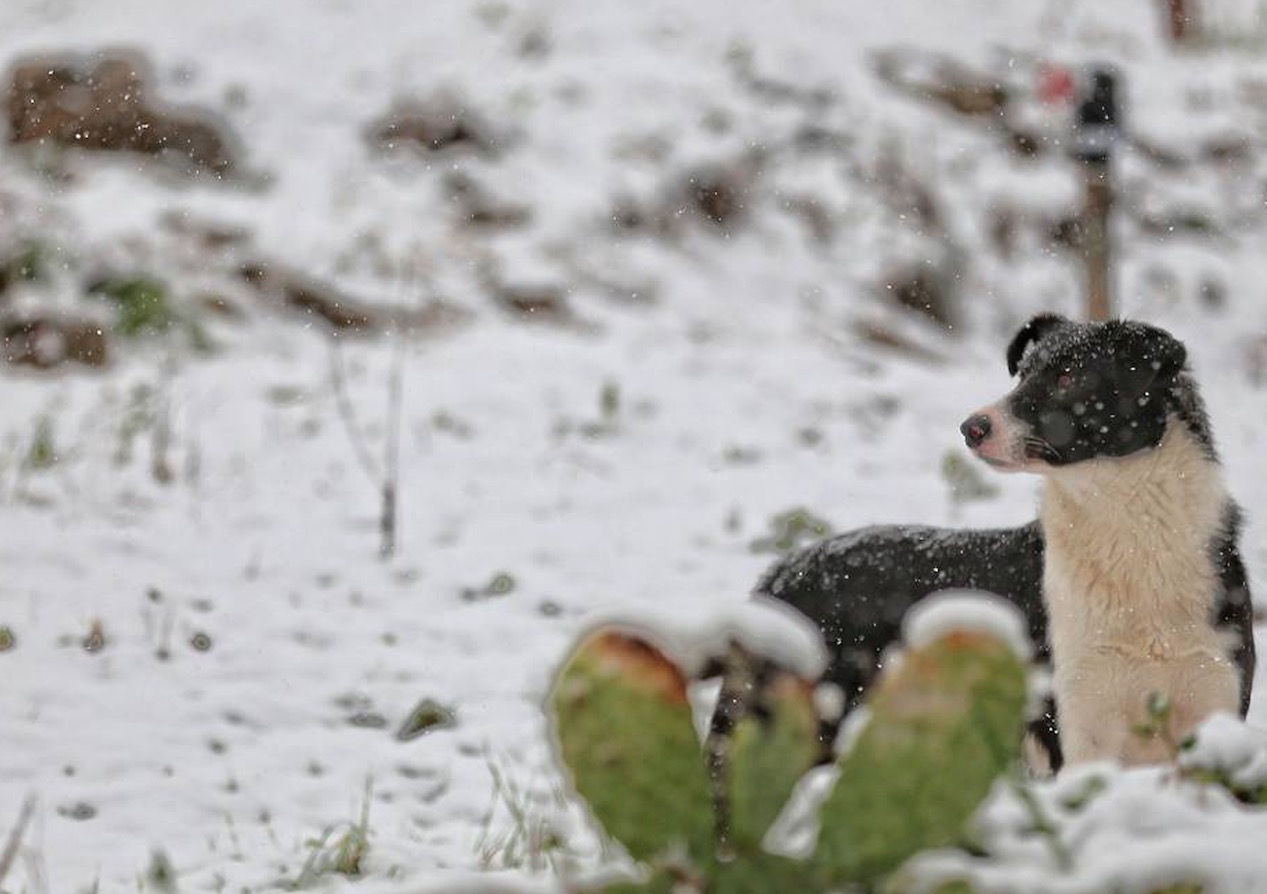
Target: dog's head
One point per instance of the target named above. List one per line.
(1084, 390)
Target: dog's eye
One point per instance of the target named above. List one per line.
(1064, 382)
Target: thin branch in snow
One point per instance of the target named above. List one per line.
(343, 404)
(391, 447)
(14, 842)
(384, 474)
(416, 279)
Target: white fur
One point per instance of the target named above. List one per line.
(1130, 581)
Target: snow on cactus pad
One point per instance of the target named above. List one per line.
(945, 721)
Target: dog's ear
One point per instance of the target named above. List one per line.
(1031, 332)
(1155, 352)
(1171, 355)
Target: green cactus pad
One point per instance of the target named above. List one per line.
(944, 725)
(658, 883)
(765, 874)
(624, 730)
(772, 750)
(753, 874)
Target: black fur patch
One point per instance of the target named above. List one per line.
(1233, 608)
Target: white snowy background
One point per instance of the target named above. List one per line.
(744, 388)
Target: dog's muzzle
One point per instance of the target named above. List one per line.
(976, 429)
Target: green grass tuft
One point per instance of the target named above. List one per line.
(143, 304)
(340, 849)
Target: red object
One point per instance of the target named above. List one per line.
(1055, 85)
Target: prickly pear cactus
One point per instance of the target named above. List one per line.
(625, 731)
(943, 726)
(773, 747)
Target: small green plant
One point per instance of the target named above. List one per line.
(451, 424)
(1156, 724)
(340, 849)
(609, 404)
(28, 264)
(608, 422)
(160, 875)
(532, 839)
(964, 479)
(41, 454)
(143, 304)
(791, 529)
(1239, 770)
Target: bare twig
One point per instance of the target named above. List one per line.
(161, 442)
(415, 278)
(343, 403)
(385, 474)
(391, 448)
(14, 842)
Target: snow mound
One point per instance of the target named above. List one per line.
(968, 611)
(1227, 745)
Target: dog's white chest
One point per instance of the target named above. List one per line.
(1129, 581)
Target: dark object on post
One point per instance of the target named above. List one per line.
(1096, 123)
(1096, 129)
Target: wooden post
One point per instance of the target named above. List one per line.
(1182, 26)
(1096, 242)
(1095, 131)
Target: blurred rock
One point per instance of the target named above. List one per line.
(718, 194)
(924, 290)
(942, 80)
(479, 208)
(885, 336)
(295, 291)
(49, 341)
(70, 101)
(541, 301)
(432, 126)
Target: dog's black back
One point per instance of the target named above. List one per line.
(856, 587)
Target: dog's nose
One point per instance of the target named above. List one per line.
(975, 429)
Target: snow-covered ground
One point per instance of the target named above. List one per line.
(253, 657)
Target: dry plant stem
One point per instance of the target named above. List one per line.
(391, 449)
(14, 841)
(384, 475)
(384, 478)
(160, 446)
(343, 404)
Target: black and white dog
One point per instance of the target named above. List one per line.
(1130, 578)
